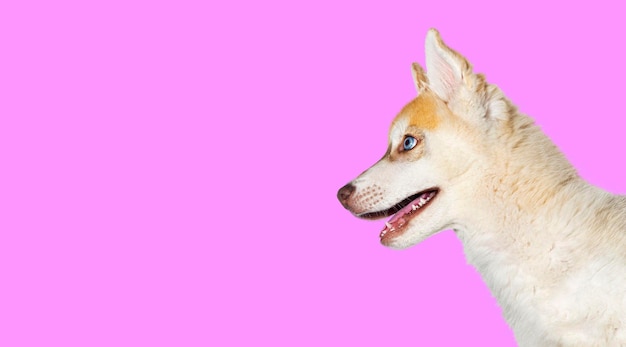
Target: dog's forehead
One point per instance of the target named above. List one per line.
(398, 129)
(420, 113)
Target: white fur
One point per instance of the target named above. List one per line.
(551, 247)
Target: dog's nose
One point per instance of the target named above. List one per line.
(344, 194)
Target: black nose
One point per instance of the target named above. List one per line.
(344, 194)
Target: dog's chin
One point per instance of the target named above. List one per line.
(409, 238)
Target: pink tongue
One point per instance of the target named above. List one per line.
(408, 208)
(398, 220)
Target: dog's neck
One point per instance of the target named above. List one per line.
(516, 231)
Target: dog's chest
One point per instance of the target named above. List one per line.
(585, 306)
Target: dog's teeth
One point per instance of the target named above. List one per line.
(414, 207)
(388, 225)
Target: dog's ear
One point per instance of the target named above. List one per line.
(447, 70)
(419, 78)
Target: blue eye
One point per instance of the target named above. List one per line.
(409, 143)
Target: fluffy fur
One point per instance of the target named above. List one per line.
(551, 247)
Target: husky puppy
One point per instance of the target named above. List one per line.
(551, 247)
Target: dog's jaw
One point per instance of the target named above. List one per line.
(400, 221)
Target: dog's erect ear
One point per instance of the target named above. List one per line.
(419, 78)
(447, 70)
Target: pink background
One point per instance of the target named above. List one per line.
(169, 169)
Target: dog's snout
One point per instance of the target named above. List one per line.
(344, 194)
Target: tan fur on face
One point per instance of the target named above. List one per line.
(421, 113)
(417, 117)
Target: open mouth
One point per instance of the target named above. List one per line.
(402, 213)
